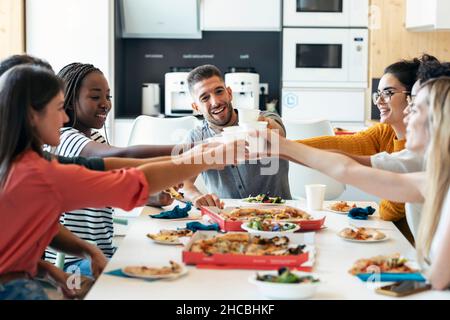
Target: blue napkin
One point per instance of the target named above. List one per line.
(175, 213)
(361, 213)
(119, 273)
(195, 226)
(387, 277)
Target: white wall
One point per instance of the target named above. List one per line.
(66, 31)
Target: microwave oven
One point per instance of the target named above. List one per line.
(326, 13)
(324, 57)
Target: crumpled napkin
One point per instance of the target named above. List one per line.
(361, 213)
(195, 226)
(175, 213)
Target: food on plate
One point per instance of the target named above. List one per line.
(175, 194)
(380, 264)
(170, 235)
(264, 198)
(143, 271)
(246, 244)
(279, 213)
(286, 276)
(269, 226)
(363, 234)
(342, 206)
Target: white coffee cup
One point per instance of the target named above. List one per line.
(256, 144)
(315, 194)
(233, 133)
(248, 115)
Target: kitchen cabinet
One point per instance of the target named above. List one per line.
(166, 19)
(241, 15)
(430, 15)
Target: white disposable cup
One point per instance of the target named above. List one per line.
(257, 145)
(248, 115)
(230, 134)
(233, 133)
(315, 194)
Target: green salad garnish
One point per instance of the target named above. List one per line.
(286, 276)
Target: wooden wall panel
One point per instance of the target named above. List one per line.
(390, 41)
(12, 27)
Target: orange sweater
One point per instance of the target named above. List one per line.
(378, 138)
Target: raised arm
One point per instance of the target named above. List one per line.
(384, 184)
(112, 163)
(96, 149)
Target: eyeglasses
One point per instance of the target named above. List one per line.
(385, 94)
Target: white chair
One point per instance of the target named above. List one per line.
(299, 175)
(161, 131)
(164, 131)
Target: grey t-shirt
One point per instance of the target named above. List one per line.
(237, 182)
(403, 161)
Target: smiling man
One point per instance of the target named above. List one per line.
(214, 101)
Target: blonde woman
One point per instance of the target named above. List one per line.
(428, 132)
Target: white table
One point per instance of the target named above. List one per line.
(334, 258)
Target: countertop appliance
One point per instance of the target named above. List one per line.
(178, 100)
(325, 57)
(245, 88)
(325, 13)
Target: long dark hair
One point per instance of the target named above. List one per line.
(406, 70)
(73, 75)
(21, 88)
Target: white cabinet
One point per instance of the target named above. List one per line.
(241, 15)
(168, 19)
(427, 15)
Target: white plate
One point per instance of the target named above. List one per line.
(177, 241)
(250, 230)
(169, 243)
(339, 212)
(273, 290)
(169, 276)
(364, 241)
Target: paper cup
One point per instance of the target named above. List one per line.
(257, 145)
(248, 115)
(315, 194)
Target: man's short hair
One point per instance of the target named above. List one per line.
(202, 73)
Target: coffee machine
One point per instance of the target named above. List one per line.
(178, 100)
(245, 87)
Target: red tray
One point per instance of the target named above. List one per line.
(229, 225)
(237, 261)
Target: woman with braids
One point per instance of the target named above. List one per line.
(389, 135)
(34, 191)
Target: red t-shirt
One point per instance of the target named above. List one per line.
(38, 191)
